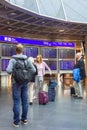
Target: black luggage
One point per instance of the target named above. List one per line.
(72, 91)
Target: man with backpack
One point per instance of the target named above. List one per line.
(22, 70)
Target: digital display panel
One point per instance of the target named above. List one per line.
(67, 65)
(52, 64)
(66, 53)
(8, 50)
(35, 42)
(5, 64)
(49, 53)
(31, 51)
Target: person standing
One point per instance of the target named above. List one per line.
(41, 67)
(79, 85)
(19, 91)
(32, 83)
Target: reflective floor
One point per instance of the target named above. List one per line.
(66, 113)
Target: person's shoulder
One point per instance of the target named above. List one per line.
(20, 56)
(43, 62)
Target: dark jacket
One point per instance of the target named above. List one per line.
(80, 64)
(34, 75)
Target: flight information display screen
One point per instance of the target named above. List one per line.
(8, 50)
(66, 53)
(49, 53)
(31, 51)
(5, 64)
(67, 65)
(52, 64)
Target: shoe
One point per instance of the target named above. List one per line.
(15, 125)
(80, 97)
(73, 95)
(24, 122)
(30, 103)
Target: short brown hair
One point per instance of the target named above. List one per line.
(19, 48)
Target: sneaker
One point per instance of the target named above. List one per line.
(79, 97)
(15, 125)
(24, 122)
(31, 103)
(75, 95)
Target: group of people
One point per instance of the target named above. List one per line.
(23, 94)
(20, 91)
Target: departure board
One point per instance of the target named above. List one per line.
(49, 53)
(66, 53)
(31, 51)
(67, 65)
(5, 64)
(52, 64)
(8, 50)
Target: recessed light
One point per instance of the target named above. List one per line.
(8, 22)
(9, 29)
(61, 30)
(13, 13)
(43, 22)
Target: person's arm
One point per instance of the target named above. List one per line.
(36, 69)
(81, 65)
(47, 67)
(32, 68)
(9, 68)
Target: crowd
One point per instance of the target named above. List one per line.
(28, 78)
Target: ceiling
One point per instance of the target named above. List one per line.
(15, 21)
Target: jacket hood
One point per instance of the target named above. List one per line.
(21, 56)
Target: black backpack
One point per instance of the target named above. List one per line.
(21, 71)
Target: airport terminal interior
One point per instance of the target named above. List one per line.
(56, 29)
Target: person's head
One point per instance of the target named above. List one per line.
(19, 48)
(78, 55)
(39, 59)
(31, 59)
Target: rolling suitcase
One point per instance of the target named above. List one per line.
(43, 97)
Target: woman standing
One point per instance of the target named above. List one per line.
(41, 67)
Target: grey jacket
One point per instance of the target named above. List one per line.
(12, 62)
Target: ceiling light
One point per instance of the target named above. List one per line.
(13, 13)
(43, 22)
(9, 29)
(8, 22)
(61, 30)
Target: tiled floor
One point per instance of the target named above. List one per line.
(66, 113)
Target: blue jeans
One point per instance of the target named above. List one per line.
(20, 97)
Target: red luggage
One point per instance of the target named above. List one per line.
(43, 97)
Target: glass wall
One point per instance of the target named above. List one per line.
(74, 10)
